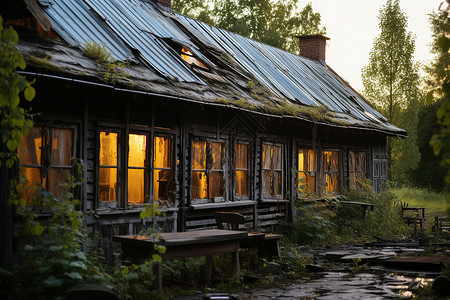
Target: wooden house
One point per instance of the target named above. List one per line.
(165, 109)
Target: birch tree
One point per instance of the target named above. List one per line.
(391, 84)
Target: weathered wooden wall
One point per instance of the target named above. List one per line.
(89, 108)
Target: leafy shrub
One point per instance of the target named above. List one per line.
(312, 225)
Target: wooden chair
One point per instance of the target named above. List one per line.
(229, 220)
(267, 244)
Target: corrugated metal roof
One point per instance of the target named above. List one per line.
(135, 26)
(288, 75)
(77, 25)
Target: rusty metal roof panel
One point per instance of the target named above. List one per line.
(77, 25)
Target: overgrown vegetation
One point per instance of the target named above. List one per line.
(434, 202)
(55, 261)
(344, 223)
(100, 54)
(15, 121)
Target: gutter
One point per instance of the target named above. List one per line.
(207, 103)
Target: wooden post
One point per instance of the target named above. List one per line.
(208, 263)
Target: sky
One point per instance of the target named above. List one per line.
(352, 26)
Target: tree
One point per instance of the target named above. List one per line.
(258, 19)
(391, 83)
(440, 74)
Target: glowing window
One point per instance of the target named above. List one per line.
(330, 172)
(272, 171)
(162, 168)
(108, 168)
(306, 170)
(241, 170)
(137, 168)
(45, 156)
(189, 57)
(207, 171)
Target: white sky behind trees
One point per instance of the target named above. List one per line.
(352, 26)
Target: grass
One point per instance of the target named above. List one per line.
(435, 203)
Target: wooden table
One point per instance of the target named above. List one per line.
(185, 244)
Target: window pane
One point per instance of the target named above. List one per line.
(161, 155)
(241, 185)
(311, 183)
(199, 186)
(61, 147)
(161, 183)
(55, 180)
(216, 149)
(108, 149)
(137, 150)
(311, 161)
(216, 184)
(199, 155)
(301, 160)
(302, 184)
(241, 156)
(136, 191)
(267, 180)
(107, 184)
(331, 171)
(30, 152)
(276, 157)
(277, 183)
(33, 176)
(331, 183)
(267, 160)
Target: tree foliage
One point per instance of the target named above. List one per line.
(272, 22)
(15, 122)
(391, 83)
(440, 74)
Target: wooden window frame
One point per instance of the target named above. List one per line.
(235, 169)
(45, 156)
(272, 196)
(307, 172)
(324, 173)
(354, 172)
(223, 198)
(123, 167)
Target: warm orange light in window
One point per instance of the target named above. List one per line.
(137, 153)
(190, 58)
(108, 166)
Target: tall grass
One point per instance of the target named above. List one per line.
(434, 203)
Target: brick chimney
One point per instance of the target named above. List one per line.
(313, 46)
(164, 3)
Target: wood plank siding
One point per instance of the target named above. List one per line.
(92, 110)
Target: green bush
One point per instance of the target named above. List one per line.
(319, 226)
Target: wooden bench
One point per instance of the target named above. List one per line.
(267, 244)
(413, 215)
(364, 206)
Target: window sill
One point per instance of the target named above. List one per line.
(221, 204)
(274, 201)
(121, 211)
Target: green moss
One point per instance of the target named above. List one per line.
(97, 52)
(41, 54)
(242, 103)
(223, 101)
(251, 84)
(43, 63)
